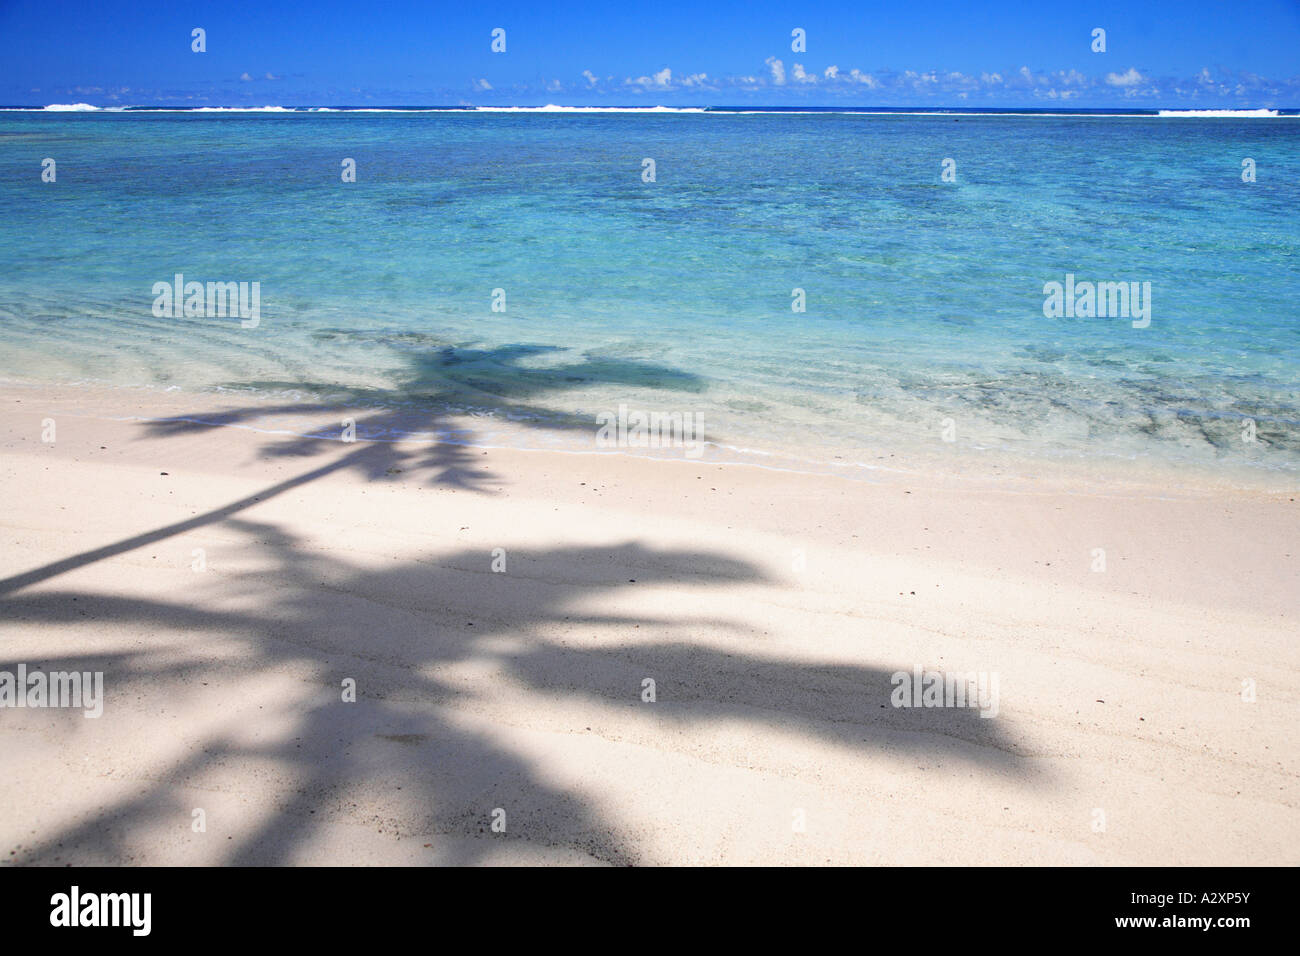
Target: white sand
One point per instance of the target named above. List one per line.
(1120, 691)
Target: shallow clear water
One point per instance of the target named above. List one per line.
(924, 298)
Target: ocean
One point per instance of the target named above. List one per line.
(829, 290)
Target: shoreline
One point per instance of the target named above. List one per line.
(959, 465)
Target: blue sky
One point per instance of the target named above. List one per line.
(1193, 53)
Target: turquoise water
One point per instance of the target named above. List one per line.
(924, 298)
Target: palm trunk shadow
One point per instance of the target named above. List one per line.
(36, 575)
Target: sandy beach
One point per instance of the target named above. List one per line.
(500, 612)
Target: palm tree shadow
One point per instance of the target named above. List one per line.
(420, 404)
(435, 386)
(423, 622)
(406, 631)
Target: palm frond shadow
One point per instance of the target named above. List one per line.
(434, 386)
(431, 385)
(422, 620)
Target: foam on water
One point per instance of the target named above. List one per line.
(1231, 114)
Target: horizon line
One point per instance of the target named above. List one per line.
(83, 107)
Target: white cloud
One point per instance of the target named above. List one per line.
(661, 80)
(1030, 78)
(1021, 83)
(245, 77)
(797, 71)
(1130, 77)
(866, 79)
